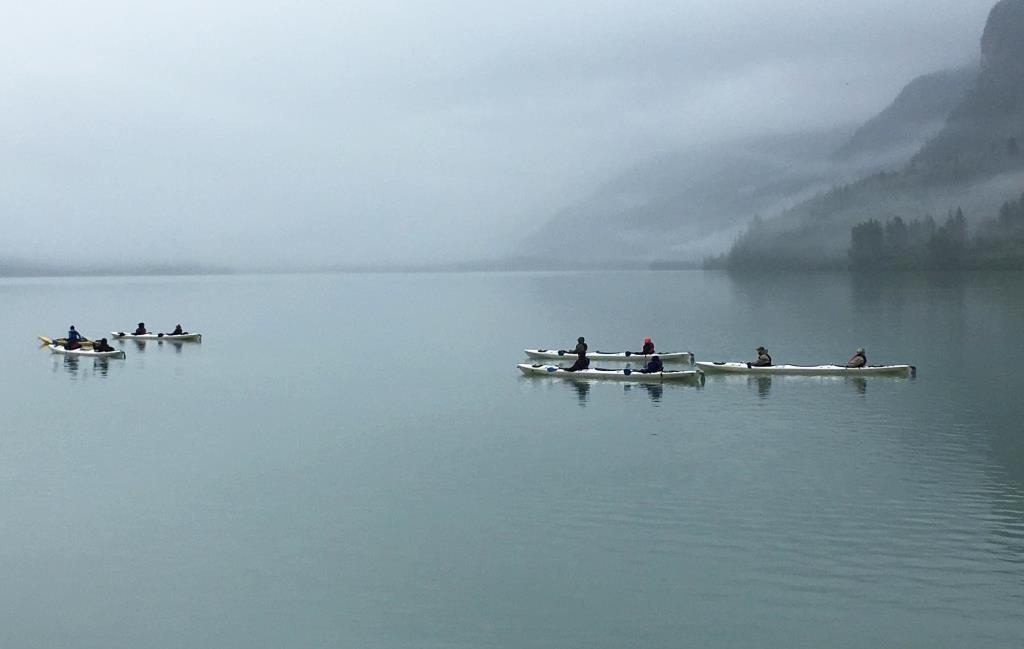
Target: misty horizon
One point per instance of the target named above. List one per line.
(370, 134)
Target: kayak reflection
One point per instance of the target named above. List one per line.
(859, 383)
(78, 367)
(763, 384)
(653, 390)
(582, 389)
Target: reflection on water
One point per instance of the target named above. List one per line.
(814, 518)
(763, 385)
(870, 289)
(78, 367)
(654, 391)
(140, 345)
(176, 344)
(70, 364)
(859, 383)
(582, 389)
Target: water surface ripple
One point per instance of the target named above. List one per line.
(353, 460)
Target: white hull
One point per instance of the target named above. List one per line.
(562, 354)
(808, 370)
(172, 337)
(612, 374)
(57, 349)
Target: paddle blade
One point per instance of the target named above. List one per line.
(45, 340)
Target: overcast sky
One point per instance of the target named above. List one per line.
(381, 131)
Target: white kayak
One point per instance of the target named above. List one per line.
(562, 354)
(611, 374)
(808, 370)
(185, 337)
(81, 351)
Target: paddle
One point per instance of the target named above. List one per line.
(84, 342)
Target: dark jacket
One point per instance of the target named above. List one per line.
(581, 350)
(648, 349)
(763, 360)
(857, 360)
(582, 363)
(653, 366)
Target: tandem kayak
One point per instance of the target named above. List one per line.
(562, 354)
(62, 341)
(59, 349)
(186, 337)
(611, 374)
(808, 370)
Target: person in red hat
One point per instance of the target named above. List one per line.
(648, 347)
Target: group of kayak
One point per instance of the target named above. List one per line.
(857, 365)
(75, 344)
(654, 369)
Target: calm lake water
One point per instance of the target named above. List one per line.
(354, 461)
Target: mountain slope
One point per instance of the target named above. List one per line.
(984, 133)
(693, 203)
(973, 162)
(670, 205)
(917, 114)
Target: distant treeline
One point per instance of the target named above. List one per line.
(18, 268)
(996, 243)
(897, 244)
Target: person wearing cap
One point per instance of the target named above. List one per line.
(582, 362)
(140, 330)
(859, 359)
(648, 347)
(763, 358)
(653, 366)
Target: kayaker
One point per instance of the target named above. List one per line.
(653, 366)
(177, 331)
(582, 362)
(140, 330)
(648, 347)
(763, 358)
(859, 359)
(74, 340)
(581, 347)
(102, 346)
